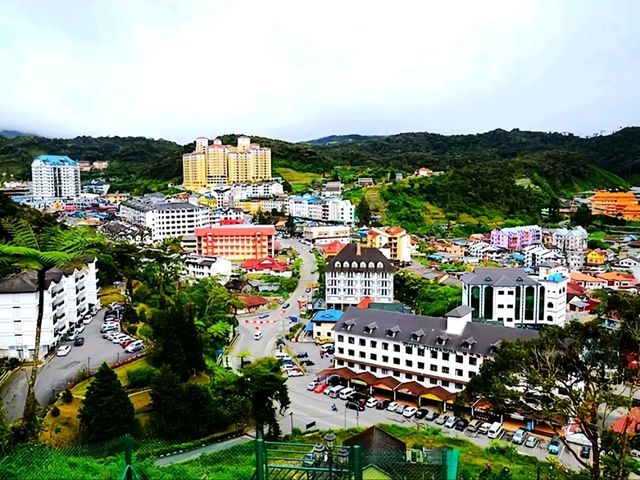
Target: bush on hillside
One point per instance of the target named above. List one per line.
(141, 377)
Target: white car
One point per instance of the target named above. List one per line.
(80, 329)
(63, 350)
(134, 346)
(409, 412)
(124, 339)
(392, 406)
(257, 335)
(313, 384)
(451, 422)
(372, 402)
(119, 338)
(87, 320)
(295, 373)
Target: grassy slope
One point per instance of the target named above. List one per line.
(300, 181)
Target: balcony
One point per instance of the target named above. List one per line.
(79, 289)
(58, 304)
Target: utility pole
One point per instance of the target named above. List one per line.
(291, 416)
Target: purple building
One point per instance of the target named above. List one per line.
(516, 238)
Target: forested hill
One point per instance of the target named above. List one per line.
(150, 159)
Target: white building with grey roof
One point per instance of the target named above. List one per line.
(433, 351)
(68, 295)
(167, 219)
(510, 297)
(356, 273)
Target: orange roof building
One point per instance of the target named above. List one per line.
(333, 248)
(616, 204)
(236, 242)
(618, 280)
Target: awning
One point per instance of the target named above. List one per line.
(359, 382)
(386, 383)
(439, 394)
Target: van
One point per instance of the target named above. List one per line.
(494, 430)
(110, 327)
(134, 346)
(280, 355)
(474, 425)
(335, 391)
(344, 393)
(258, 335)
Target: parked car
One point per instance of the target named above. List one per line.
(312, 384)
(518, 437)
(461, 424)
(320, 388)
(585, 452)
(421, 413)
(80, 328)
(295, 372)
(442, 420)
(63, 350)
(134, 346)
(286, 305)
(554, 445)
(383, 404)
(127, 339)
(354, 406)
(451, 421)
(372, 402)
(302, 355)
(531, 441)
(484, 428)
(409, 412)
(392, 406)
(307, 363)
(72, 335)
(263, 315)
(78, 342)
(431, 415)
(307, 290)
(400, 409)
(87, 319)
(257, 335)
(120, 337)
(326, 346)
(359, 397)
(474, 425)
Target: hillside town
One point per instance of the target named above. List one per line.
(326, 294)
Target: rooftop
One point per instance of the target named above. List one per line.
(57, 160)
(359, 259)
(330, 315)
(498, 277)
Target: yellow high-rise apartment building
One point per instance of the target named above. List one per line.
(211, 165)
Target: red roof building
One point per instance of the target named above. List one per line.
(333, 248)
(264, 265)
(236, 242)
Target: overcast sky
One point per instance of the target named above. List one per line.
(182, 69)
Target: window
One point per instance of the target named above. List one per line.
(374, 356)
(350, 364)
(421, 365)
(434, 354)
(433, 368)
(385, 358)
(420, 378)
(17, 325)
(445, 356)
(361, 354)
(362, 342)
(408, 363)
(341, 362)
(458, 386)
(396, 348)
(473, 361)
(445, 369)
(433, 381)
(374, 369)
(472, 374)
(500, 292)
(408, 350)
(445, 383)
(351, 340)
(510, 292)
(459, 372)
(384, 371)
(351, 353)
(550, 305)
(396, 361)
(421, 351)
(509, 306)
(396, 374)
(408, 376)
(340, 350)
(459, 359)
(501, 305)
(385, 346)
(373, 344)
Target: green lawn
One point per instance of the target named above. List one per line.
(81, 389)
(300, 181)
(597, 235)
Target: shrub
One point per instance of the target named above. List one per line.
(67, 396)
(141, 377)
(132, 329)
(13, 363)
(497, 447)
(55, 411)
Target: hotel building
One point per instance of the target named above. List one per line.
(55, 176)
(236, 242)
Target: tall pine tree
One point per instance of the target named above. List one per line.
(106, 412)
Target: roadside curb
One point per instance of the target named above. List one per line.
(6, 376)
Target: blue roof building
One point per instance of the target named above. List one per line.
(55, 177)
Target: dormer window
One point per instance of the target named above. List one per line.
(467, 343)
(393, 331)
(380, 265)
(363, 265)
(354, 264)
(371, 265)
(348, 325)
(519, 279)
(368, 329)
(495, 347)
(337, 265)
(417, 335)
(442, 339)
(488, 279)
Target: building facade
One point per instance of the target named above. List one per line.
(324, 234)
(211, 165)
(510, 297)
(198, 266)
(236, 242)
(330, 209)
(356, 273)
(67, 297)
(55, 176)
(433, 351)
(394, 242)
(616, 204)
(165, 220)
(516, 238)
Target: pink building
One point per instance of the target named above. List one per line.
(516, 238)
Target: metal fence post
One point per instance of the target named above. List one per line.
(260, 467)
(357, 462)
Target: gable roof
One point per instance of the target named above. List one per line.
(376, 439)
(27, 282)
(355, 253)
(402, 325)
(498, 277)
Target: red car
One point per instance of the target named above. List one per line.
(320, 388)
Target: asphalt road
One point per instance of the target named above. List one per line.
(271, 331)
(58, 371)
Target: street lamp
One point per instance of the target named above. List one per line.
(324, 453)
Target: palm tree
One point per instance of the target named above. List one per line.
(42, 251)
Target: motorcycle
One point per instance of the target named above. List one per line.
(333, 407)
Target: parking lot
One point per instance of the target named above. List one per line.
(308, 407)
(58, 371)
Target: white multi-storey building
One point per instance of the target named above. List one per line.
(356, 273)
(202, 266)
(67, 296)
(511, 297)
(432, 351)
(165, 220)
(255, 190)
(535, 255)
(55, 176)
(575, 239)
(323, 234)
(323, 209)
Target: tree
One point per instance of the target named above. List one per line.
(291, 226)
(5, 432)
(287, 187)
(265, 387)
(364, 213)
(43, 250)
(583, 216)
(554, 210)
(573, 374)
(107, 411)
